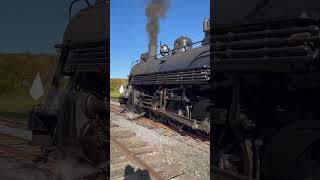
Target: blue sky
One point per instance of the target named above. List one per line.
(33, 26)
(128, 36)
(36, 26)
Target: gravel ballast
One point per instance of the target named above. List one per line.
(193, 154)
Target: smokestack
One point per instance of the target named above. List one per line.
(152, 52)
(155, 9)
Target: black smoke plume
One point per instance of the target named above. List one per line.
(155, 9)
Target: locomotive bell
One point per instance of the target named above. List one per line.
(164, 50)
(182, 44)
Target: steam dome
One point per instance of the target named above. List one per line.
(182, 44)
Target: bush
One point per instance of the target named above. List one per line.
(18, 68)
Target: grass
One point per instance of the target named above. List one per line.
(115, 84)
(17, 72)
(16, 105)
(114, 95)
(19, 103)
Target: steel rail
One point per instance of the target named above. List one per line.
(141, 164)
(4, 119)
(115, 108)
(15, 137)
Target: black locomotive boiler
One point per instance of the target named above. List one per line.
(173, 88)
(74, 115)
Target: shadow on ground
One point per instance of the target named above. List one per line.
(131, 174)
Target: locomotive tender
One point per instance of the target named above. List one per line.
(75, 112)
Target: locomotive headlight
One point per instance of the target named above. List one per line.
(164, 50)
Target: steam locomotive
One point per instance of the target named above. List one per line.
(73, 117)
(174, 88)
(263, 83)
(265, 89)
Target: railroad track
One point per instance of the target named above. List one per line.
(132, 158)
(21, 149)
(15, 144)
(15, 123)
(184, 137)
(114, 107)
(153, 163)
(19, 145)
(218, 174)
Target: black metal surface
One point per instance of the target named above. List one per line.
(75, 1)
(81, 112)
(93, 21)
(184, 120)
(222, 174)
(265, 42)
(269, 55)
(196, 58)
(231, 36)
(90, 57)
(257, 11)
(289, 46)
(197, 76)
(182, 44)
